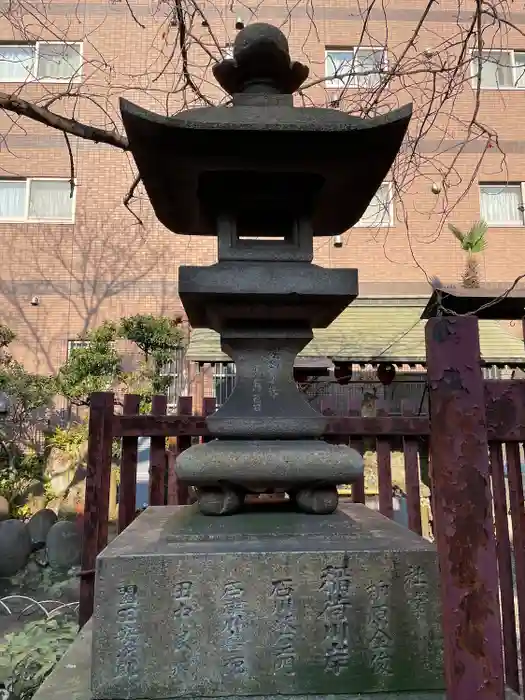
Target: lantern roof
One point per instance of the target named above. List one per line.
(324, 163)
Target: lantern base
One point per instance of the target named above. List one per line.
(225, 471)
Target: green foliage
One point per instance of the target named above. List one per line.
(27, 657)
(21, 464)
(27, 392)
(474, 240)
(20, 473)
(95, 367)
(69, 440)
(6, 336)
(98, 365)
(157, 336)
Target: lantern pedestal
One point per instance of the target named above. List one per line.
(267, 433)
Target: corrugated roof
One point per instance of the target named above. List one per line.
(365, 333)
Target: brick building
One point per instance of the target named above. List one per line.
(70, 262)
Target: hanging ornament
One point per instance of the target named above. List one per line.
(386, 373)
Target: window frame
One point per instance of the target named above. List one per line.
(355, 49)
(33, 77)
(224, 373)
(391, 220)
(25, 219)
(505, 184)
(75, 344)
(473, 68)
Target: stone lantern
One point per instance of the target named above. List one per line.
(267, 179)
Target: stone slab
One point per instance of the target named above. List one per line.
(70, 680)
(269, 462)
(265, 603)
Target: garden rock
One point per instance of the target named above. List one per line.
(4, 508)
(15, 547)
(64, 545)
(39, 527)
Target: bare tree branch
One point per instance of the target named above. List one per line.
(23, 108)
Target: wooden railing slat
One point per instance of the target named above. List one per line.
(178, 492)
(517, 509)
(157, 455)
(96, 508)
(128, 469)
(384, 474)
(503, 552)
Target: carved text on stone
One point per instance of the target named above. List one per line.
(127, 661)
(416, 588)
(233, 625)
(284, 625)
(378, 629)
(184, 606)
(336, 586)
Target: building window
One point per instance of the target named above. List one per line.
(73, 345)
(223, 381)
(176, 370)
(355, 67)
(502, 205)
(380, 210)
(499, 69)
(52, 62)
(228, 51)
(36, 199)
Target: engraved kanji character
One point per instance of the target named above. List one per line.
(336, 659)
(282, 588)
(415, 577)
(232, 589)
(126, 615)
(284, 661)
(128, 594)
(182, 590)
(236, 664)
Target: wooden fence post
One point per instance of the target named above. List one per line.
(413, 493)
(157, 456)
(177, 492)
(384, 469)
(127, 505)
(358, 488)
(462, 503)
(96, 510)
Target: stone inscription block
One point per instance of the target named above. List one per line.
(260, 613)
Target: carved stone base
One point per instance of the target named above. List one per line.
(309, 470)
(266, 604)
(227, 499)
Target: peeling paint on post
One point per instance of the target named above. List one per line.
(462, 505)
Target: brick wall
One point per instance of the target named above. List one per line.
(106, 265)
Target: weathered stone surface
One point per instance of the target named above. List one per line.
(70, 680)
(64, 545)
(269, 462)
(40, 525)
(15, 547)
(265, 603)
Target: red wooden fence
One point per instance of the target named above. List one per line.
(474, 429)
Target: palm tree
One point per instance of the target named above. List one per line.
(472, 242)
